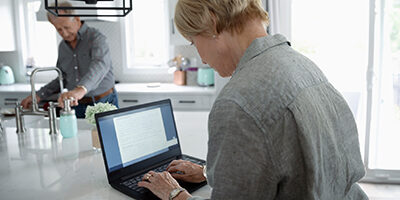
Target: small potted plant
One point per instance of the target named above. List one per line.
(89, 116)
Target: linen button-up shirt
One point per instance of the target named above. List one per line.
(88, 64)
(280, 130)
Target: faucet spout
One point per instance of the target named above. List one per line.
(34, 110)
(35, 106)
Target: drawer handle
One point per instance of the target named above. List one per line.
(11, 99)
(130, 101)
(184, 101)
(9, 103)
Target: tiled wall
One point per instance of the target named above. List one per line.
(112, 31)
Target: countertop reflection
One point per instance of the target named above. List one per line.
(36, 165)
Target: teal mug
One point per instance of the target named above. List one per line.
(205, 76)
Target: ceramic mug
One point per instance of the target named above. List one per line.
(205, 76)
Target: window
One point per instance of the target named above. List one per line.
(357, 45)
(41, 38)
(143, 33)
(147, 34)
(385, 120)
(334, 35)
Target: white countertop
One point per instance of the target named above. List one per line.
(19, 87)
(126, 88)
(161, 88)
(36, 165)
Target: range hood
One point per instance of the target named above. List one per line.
(88, 10)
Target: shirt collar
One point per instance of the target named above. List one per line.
(258, 46)
(81, 30)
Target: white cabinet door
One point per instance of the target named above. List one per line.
(126, 100)
(174, 36)
(179, 102)
(8, 99)
(132, 99)
(191, 102)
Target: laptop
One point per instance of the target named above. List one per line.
(137, 139)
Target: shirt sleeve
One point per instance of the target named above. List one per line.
(100, 63)
(239, 165)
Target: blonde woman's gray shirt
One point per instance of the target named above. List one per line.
(280, 130)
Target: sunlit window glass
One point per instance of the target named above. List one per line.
(42, 39)
(147, 35)
(385, 131)
(334, 34)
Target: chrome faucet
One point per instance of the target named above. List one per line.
(35, 110)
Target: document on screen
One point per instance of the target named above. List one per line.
(140, 134)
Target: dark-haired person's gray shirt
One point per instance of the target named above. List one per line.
(89, 64)
(280, 130)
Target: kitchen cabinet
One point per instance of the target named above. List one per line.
(7, 38)
(8, 99)
(175, 38)
(192, 102)
(179, 102)
(183, 98)
(10, 94)
(131, 99)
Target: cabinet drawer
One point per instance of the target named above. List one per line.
(131, 100)
(191, 102)
(179, 102)
(125, 102)
(8, 100)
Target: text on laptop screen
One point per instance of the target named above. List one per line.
(135, 135)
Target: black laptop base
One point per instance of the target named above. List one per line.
(148, 195)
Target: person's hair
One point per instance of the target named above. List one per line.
(194, 17)
(51, 16)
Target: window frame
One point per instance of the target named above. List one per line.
(374, 65)
(373, 62)
(143, 73)
(23, 43)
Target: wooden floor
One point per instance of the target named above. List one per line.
(381, 191)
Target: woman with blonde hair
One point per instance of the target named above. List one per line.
(278, 129)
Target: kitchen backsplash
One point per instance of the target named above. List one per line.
(189, 51)
(112, 31)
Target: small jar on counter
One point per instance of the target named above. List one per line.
(191, 76)
(68, 122)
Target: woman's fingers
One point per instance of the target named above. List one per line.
(174, 163)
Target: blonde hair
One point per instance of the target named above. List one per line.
(194, 17)
(51, 16)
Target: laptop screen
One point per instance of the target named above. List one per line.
(137, 133)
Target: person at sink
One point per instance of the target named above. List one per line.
(85, 61)
(278, 129)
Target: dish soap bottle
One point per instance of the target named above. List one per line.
(68, 122)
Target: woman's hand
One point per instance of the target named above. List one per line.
(186, 171)
(161, 184)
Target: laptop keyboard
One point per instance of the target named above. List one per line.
(132, 183)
